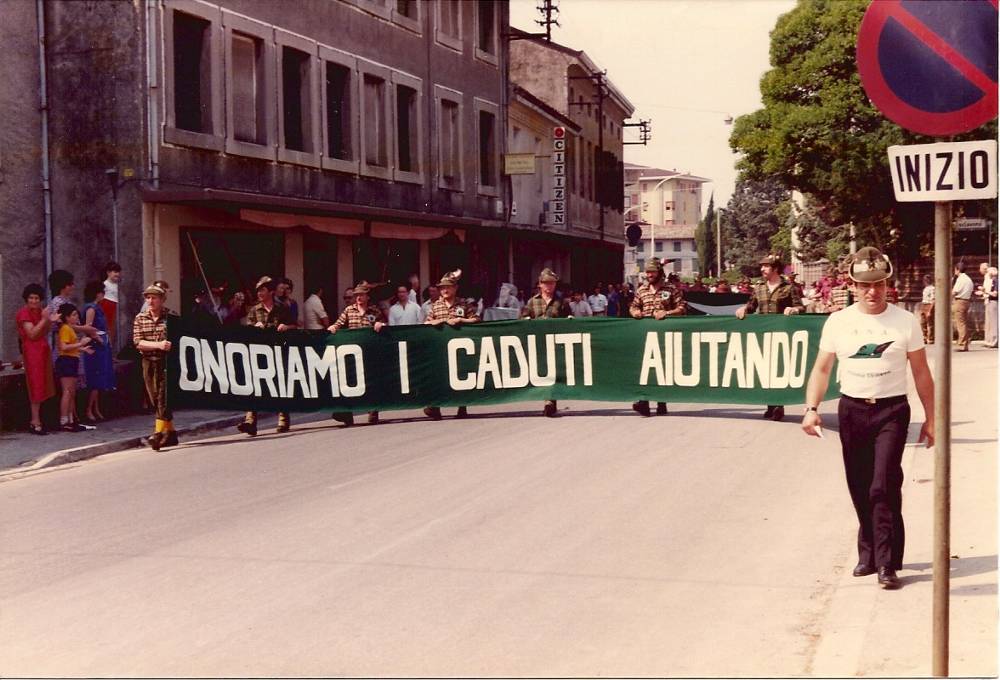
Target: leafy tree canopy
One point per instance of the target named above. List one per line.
(819, 134)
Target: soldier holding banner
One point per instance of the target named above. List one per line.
(773, 296)
(546, 305)
(359, 314)
(448, 309)
(656, 299)
(268, 313)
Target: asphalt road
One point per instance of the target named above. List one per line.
(707, 542)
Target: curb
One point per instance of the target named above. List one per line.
(79, 453)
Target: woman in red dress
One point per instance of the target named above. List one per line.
(32, 327)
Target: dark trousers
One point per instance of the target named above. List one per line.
(154, 376)
(872, 437)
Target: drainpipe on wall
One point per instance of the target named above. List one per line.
(153, 128)
(44, 109)
(152, 92)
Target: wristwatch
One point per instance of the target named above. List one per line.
(812, 408)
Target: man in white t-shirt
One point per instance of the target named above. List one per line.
(873, 342)
(598, 302)
(405, 312)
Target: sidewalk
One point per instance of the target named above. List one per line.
(20, 451)
(873, 632)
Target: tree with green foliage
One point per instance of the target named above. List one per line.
(754, 216)
(704, 237)
(819, 134)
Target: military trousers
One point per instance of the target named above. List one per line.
(154, 377)
(872, 438)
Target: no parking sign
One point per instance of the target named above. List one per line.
(931, 65)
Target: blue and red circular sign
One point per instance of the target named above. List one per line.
(931, 65)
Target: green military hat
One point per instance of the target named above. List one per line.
(772, 260)
(153, 289)
(451, 278)
(362, 288)
(653, 264)
(869, 265)
(547, 276)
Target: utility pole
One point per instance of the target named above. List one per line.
(548, 8)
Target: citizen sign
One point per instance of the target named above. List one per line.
(948, 171)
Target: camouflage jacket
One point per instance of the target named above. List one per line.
(650, 299)
(764, 301)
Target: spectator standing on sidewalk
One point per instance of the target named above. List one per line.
(773, 296)
(315, 314)
(873, 341)
(431, 293)
(989, 295)
(927, 309)
(32, 325)
(67, 367)
(149, 334)
(405, 311)
(578, 307)
(546, 305)
(109, 303)
(598, 302)
(62, 285)
(962, 292)
(98, 366)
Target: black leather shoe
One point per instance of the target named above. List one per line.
(346, 418)
(550, 411)
(661, 408)
(432, 412)
(248, 428)
(863, 570)
(171, 438)
(769, 413)
(156, 441)
(642, 408)
(463, 412)
(887, 578)
(778, 414)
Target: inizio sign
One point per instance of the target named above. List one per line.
(947, 171)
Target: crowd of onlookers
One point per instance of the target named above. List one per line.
(66, 347)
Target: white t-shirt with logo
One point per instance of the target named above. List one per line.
(871, 349)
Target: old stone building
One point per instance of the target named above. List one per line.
(569, 85)
(323, 140)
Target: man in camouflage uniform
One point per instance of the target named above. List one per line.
(656, 299)
(359, 314)
(452, 311)
(773, 296)
(267, 313)
(546, 305)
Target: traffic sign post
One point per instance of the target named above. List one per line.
(931, 67)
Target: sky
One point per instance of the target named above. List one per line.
(684, 64)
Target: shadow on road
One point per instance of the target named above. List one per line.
(960, 567)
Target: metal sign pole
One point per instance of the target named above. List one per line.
(942, 436)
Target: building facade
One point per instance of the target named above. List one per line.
(572, 89)
(666, 204)
(323, 140)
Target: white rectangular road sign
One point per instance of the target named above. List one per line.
(948, 171)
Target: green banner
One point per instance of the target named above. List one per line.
(760, 360)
